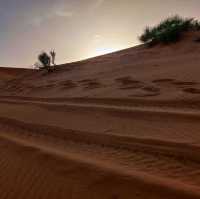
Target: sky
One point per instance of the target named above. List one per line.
(78, 29)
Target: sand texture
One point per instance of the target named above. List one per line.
(120, 126)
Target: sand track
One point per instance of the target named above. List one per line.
(108, 152)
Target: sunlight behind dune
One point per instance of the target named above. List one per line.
(103, 51)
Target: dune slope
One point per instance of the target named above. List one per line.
(157, 73)
(124, 125)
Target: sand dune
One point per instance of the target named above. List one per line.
(127, 161)
(158, 73)
(124, 125)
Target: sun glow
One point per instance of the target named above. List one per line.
(102, 51)
(101, 45)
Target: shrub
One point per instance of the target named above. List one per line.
(45, 60)
(169, 30)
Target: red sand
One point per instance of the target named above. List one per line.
(124, 125)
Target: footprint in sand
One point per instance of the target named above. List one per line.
(151, 89)
(174, 82)
(163, 81)
(192, 90)
(182, 83)
(68, 84)
(127, 82)
(49, 85)
(85, 81)
(147, 91)
(90, 83)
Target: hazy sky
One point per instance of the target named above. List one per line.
(78, 29)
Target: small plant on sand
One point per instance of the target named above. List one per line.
(53, 57)
(46, 61)
(169, 30)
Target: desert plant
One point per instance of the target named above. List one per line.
(169, 30)
(53, 57)
(45, 60)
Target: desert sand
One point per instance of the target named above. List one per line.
(120, 126)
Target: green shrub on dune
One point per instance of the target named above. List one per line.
(169, 30)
